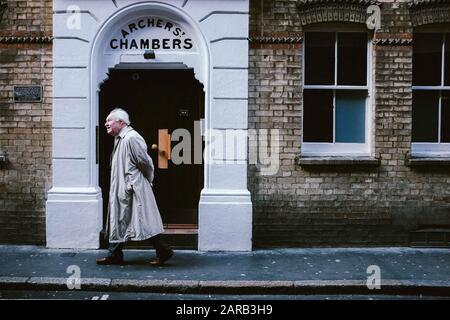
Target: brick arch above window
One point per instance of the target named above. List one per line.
(425, 12)
(318, 11)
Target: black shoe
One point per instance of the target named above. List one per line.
(109, 260)
(159, 260)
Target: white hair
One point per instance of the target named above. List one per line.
(120, 114)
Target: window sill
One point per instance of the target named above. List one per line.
(428, 161)
(338, 161)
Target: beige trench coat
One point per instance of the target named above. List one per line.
(133, 213)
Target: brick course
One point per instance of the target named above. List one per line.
(339, 205)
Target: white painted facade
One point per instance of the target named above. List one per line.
(82, 57)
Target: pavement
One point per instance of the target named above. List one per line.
(306, 271)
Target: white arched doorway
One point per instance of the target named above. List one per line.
(82, 60)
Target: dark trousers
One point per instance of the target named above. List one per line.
(115, 249)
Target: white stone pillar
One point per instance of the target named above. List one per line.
(74, 204)
(225, 217)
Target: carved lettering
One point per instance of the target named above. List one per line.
(151, 33)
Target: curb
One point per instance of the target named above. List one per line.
(305, 287)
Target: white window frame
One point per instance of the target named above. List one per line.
(339, 148)
(434, 149)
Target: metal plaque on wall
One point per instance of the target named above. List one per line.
(27, 93)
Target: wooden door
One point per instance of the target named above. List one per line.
(157, 99)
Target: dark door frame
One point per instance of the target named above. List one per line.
(172, 229)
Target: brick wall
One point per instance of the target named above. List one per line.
(25, 130)
(27, 16)
(338, 205)
(299, 206)
(273, 17)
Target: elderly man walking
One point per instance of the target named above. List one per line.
(132, 212)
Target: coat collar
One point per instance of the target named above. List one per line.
(124, 131)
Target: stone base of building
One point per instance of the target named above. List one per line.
(74, 218)
(225, 220)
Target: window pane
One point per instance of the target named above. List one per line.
(352, 58)
(319, 58)
(425, 116)
(447, 60)
(318, 116)
(427, 56)
(350, 116)
(445, 117)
